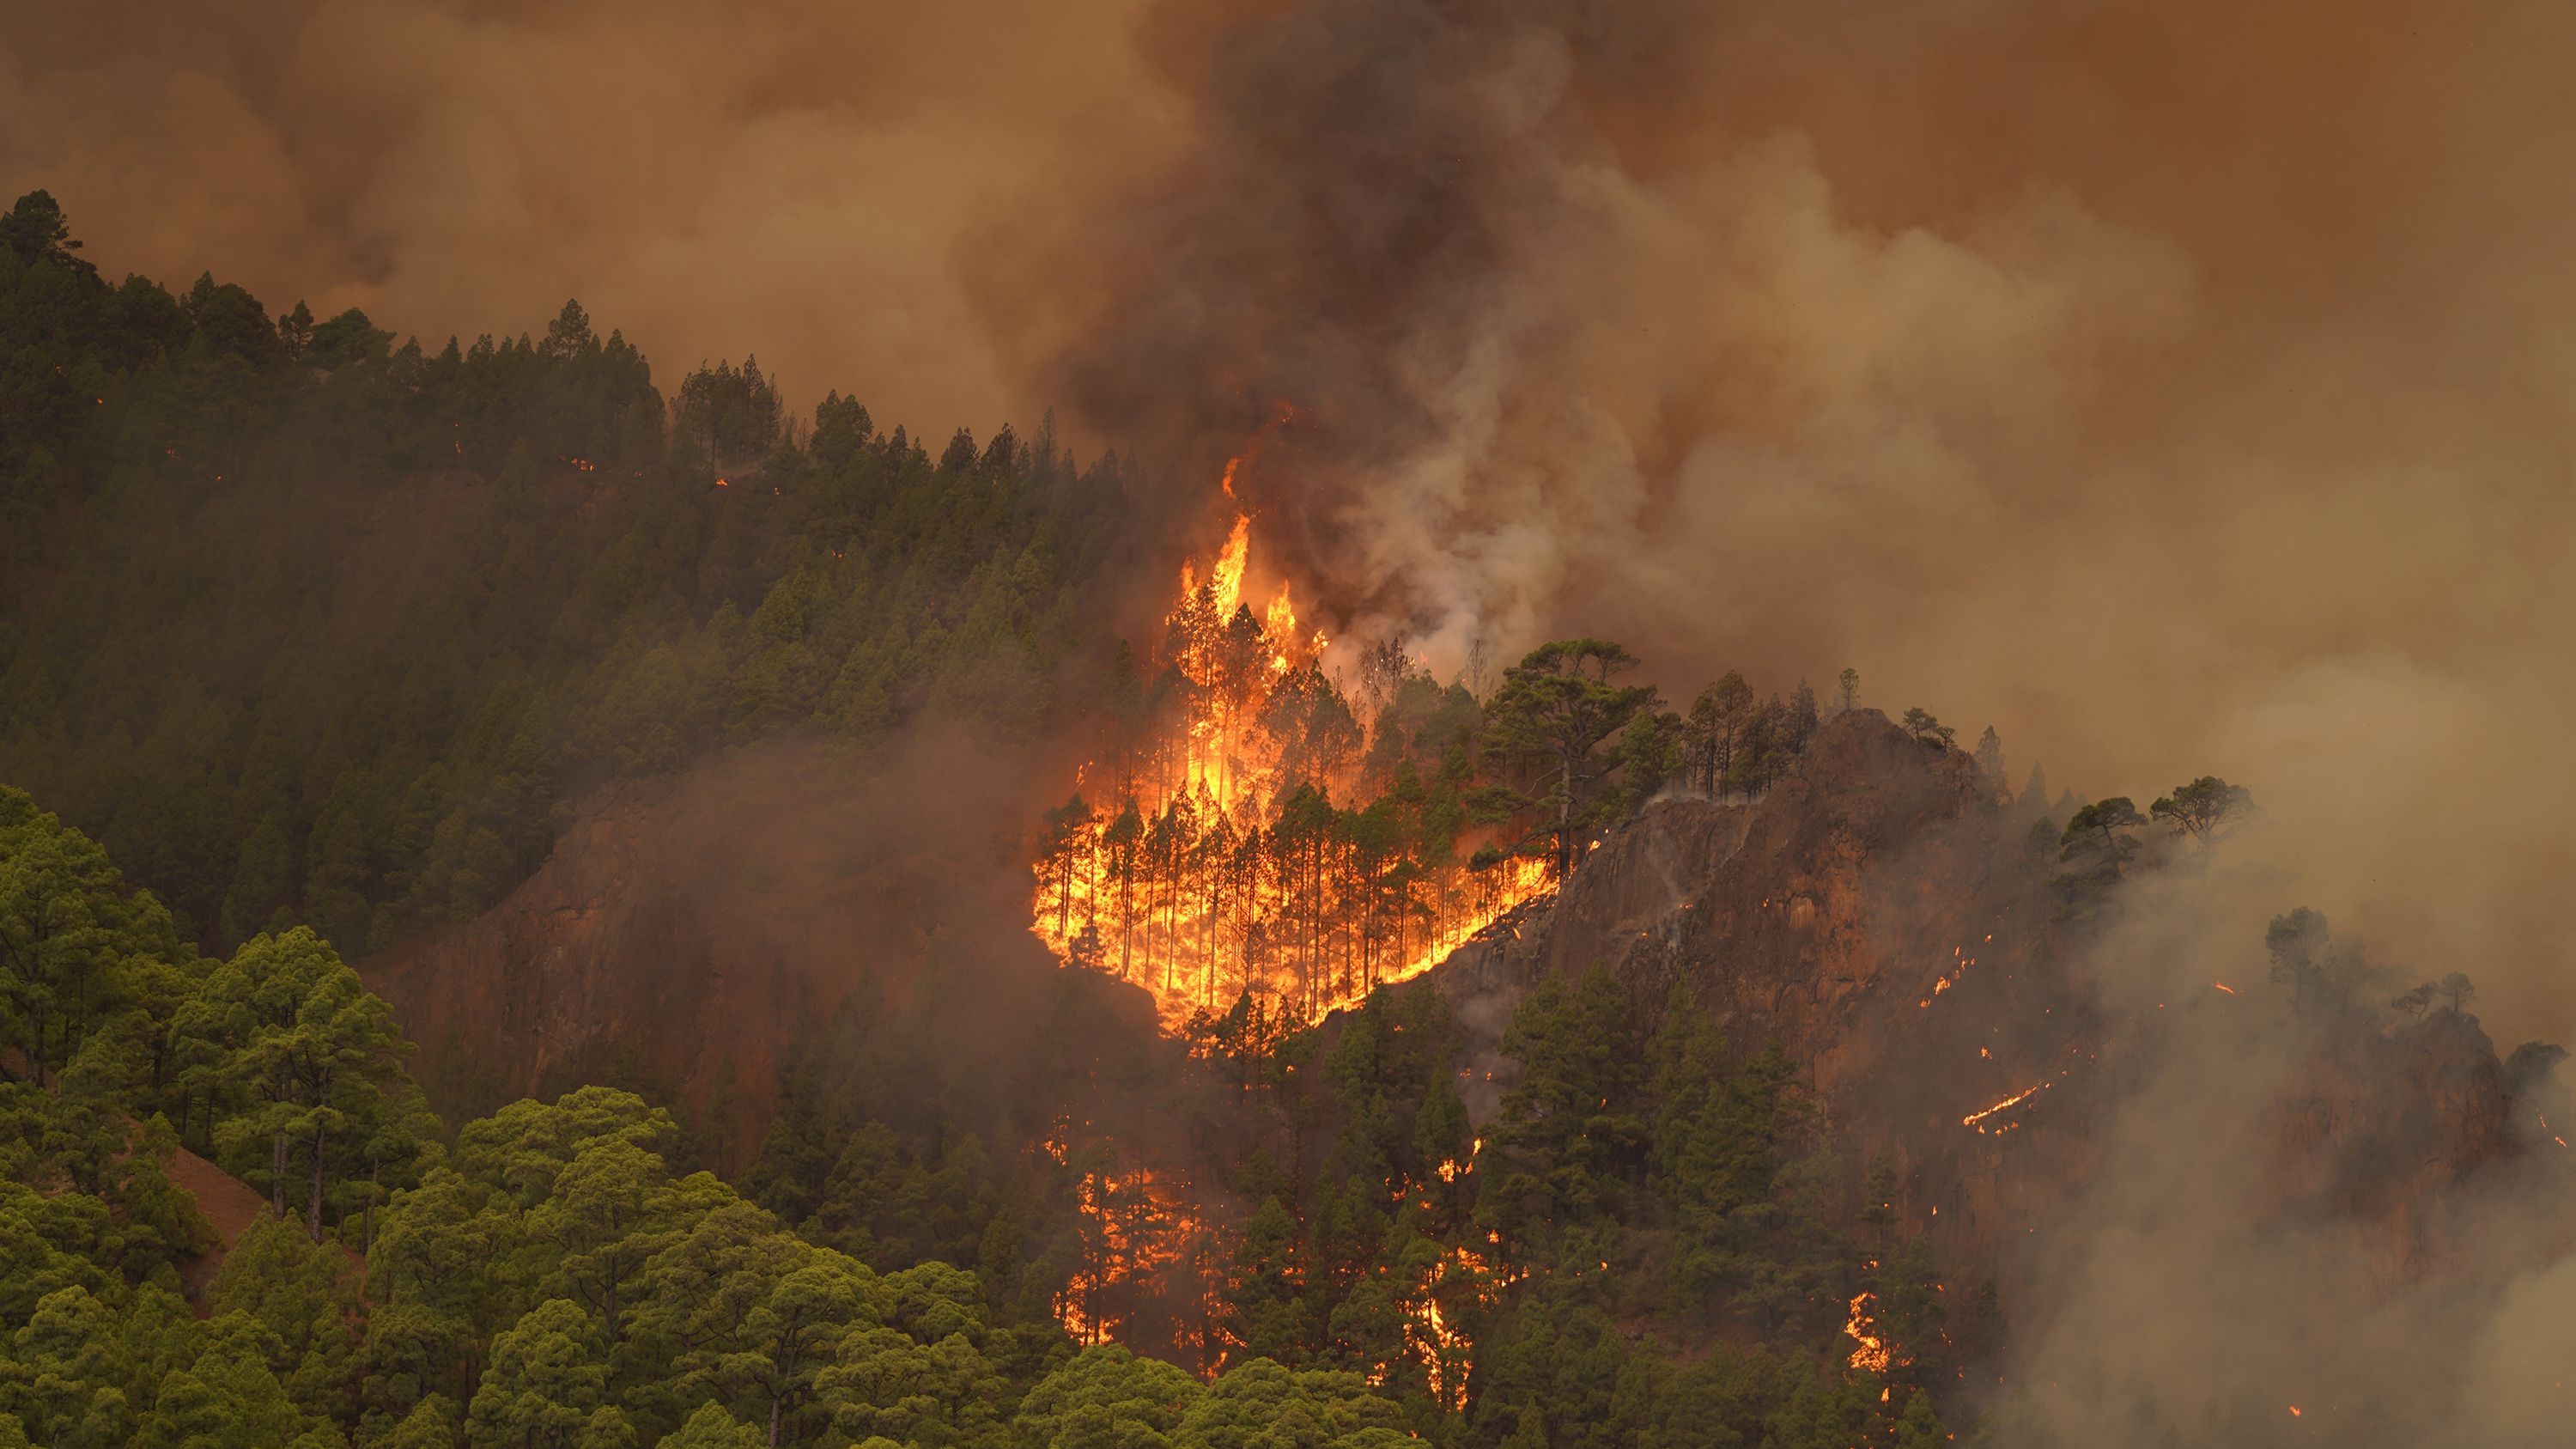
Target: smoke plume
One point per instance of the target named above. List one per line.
(2182, 388)
(2180, 385)
(2178, 388)
(2282, 1243)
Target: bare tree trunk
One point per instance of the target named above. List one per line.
(1565, 822)
(313, 1219)
(277, 1175)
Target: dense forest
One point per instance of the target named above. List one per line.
(553, 1274)
(322, 638)
(309, 627)
(1642, 1247)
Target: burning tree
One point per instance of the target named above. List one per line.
(1249, 829)
(1231, 852)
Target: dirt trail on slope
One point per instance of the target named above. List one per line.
(229, 1204)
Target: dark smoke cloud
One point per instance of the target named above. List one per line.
(2182, 385)
(2205, 1285)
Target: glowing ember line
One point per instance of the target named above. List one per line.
(2015, 1100)
(2223, 986)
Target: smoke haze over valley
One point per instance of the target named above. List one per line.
(2183, 388)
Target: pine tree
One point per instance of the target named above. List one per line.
(291, 1027)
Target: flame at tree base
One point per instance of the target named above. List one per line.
(1216, 863)
(1870, 1353)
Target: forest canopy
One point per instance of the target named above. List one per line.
(556, 1274)
(510, 570)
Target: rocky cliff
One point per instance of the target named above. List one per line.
(1887, 922)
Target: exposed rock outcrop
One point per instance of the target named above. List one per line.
(1880, 917)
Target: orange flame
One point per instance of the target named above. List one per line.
(1443, 1349)
(1869, 1353)
(1978, 1119)
(1185, 880)
(1136, 1228)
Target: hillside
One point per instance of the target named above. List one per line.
(1931, 980)
(313, 625)
(703, 905)
(1884, 921)
(684, 936)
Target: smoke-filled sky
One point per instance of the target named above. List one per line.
(2179, 385)
(785, 177)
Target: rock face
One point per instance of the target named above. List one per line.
(1869, 876)
(2380, 1131)
(1874, 914)
(231, 1206)
(1883, 920)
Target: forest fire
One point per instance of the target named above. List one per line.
(1869, 1352)
(1443, 1348)
(1978, 1119)
(1451, 1169)
(1141, 1240)
(1958, 972)
(1219, 861)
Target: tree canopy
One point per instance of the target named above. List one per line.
(1553, 712)
(508, 569)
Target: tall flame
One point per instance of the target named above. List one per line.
(1869, 1352)
(1222, 860)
